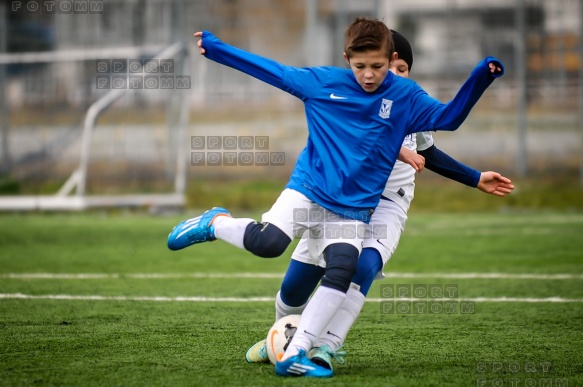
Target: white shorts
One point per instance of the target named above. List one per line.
(295, 214)
(383, 234)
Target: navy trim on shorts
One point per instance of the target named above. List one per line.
(385, 198)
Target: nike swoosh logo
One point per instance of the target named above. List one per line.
(332, 334)
(378, 240)
(336, 96)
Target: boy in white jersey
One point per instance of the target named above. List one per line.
(385, 228)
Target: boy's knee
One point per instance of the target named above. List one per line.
(341, 263)
(265, 240)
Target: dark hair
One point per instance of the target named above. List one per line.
(368, 34)
(403, 48)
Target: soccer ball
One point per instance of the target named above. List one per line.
(280, 335)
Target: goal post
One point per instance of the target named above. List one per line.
(74, 193)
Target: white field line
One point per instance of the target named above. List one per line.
(279, 276)
(266, 299)
(123, 298)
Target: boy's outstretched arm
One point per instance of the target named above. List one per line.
(446, 166)
(430, 114)
(264, 69)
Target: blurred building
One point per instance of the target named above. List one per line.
(448, 36)
(49, 76)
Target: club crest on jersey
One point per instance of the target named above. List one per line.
(385, 111)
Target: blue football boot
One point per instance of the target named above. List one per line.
(195, 230)
(300, 365)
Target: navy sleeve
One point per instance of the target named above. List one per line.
(439, 162)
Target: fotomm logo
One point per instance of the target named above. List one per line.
(58, 7)
(328, 225)
(231, 151)
(423, 299)
(518, 373)
(153, 74)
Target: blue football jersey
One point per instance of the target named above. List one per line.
(354, 136)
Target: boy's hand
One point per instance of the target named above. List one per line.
(495, 184)
(412, 158)
(199, 43)
(494, 69)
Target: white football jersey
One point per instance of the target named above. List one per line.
(400, 187)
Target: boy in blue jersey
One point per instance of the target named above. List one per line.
(304, 271)
(357, 120)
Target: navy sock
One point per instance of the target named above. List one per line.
(299, 282)
(369, 264)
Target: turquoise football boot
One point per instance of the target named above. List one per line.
(195, 230)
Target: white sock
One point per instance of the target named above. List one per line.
(320, 309)
(337, 330)
(231, 230)
(282, 310)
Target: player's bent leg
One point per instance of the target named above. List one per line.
(195, 230)
(257, 353)
(265, 240)
(299, 282)
(317, 314)
(333, 337)
(330, 342)
(340, 266)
